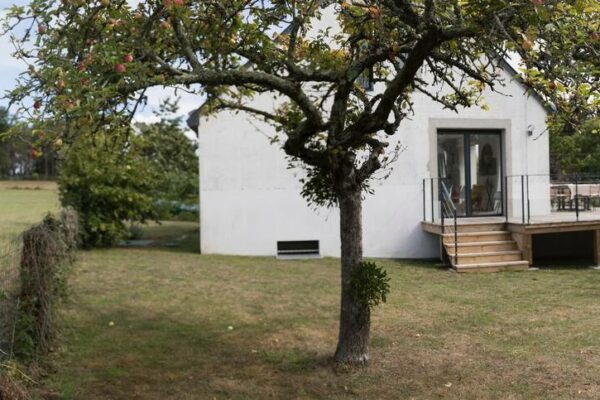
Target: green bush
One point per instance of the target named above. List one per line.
(369, 284)
(108, 182)
(115, 178)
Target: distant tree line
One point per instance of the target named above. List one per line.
(575, 150)
(18, 158)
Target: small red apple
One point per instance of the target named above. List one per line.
(595, 35)
(537, 2)
(527, 45)
(374, 11)
(37, 105)
(120, 68)
(35, 153)
(552, 85)
(60, 84)
(178, 3)
(127, 58)
(41, 29)
(165, 25)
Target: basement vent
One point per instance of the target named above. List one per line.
(298, 249)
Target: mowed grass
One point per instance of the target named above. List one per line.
(201, 327)
(188, 326)
(171, 324)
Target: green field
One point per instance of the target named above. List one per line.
(171, 324)
(22, 205)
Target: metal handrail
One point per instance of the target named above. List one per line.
(447, 206)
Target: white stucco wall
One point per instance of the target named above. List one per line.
(249, 200)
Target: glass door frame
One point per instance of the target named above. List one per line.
(466, 133)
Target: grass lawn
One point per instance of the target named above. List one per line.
(194, 327)
(171, 324)
(23, 204)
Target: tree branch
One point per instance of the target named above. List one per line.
(239, 77)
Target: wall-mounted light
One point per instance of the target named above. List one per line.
(530, 130)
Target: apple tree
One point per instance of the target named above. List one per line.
(564, 67)
(95, 60)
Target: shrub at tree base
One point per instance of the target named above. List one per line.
(369, 284)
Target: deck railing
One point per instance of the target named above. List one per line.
(449, 211)
(559, 198)
(437, 201)
(522, 199)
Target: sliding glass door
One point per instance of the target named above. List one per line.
(470, 168)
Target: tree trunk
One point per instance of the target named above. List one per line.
(355, 318)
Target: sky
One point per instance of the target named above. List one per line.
(10, 68)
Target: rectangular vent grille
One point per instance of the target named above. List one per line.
(298, 248)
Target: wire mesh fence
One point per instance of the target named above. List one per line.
(33, 269)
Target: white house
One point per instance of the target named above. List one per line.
(250, 202)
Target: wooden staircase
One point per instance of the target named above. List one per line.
(483, 247)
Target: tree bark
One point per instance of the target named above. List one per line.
(355, 318)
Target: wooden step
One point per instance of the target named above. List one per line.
(475, 227)
(493, 266)
(487, 257)
(482, 247)
(470, 237)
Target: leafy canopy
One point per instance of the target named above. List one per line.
(94, 61)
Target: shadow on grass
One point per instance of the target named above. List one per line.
(175, 236)
(566, 263)
(428, 264)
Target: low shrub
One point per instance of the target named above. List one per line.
(369, 284)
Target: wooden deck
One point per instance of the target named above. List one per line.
(554, 222)
(476, 252)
